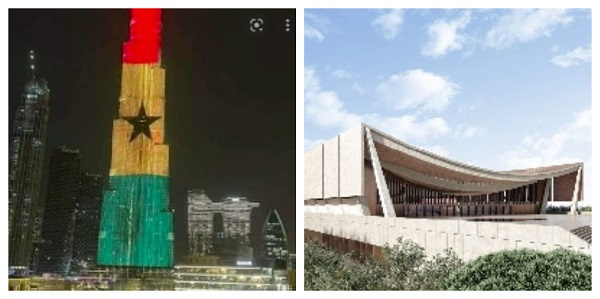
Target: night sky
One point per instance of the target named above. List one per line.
(230, 99)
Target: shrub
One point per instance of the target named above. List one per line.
(405, 267)
(525, 269)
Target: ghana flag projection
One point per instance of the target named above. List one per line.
(136, 228)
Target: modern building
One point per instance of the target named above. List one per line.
(364, 171)
(87, 222)
(236, 213)
(136, 228)
(189, 278)
(200, 223)
(59, 216)
(275, 245)
(27, 149)
(219, 228)
(364, 188)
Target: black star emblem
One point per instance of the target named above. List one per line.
(141, 123)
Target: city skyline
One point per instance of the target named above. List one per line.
(229, 109)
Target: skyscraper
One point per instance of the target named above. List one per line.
(59, 216)
(26, 161)
(200, 224)
(275, 247)
(236, 227)
(219, 228)
(87, 222)
(136, 226)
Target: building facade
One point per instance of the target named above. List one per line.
(200, 224)
(87, 222)
(27, 149)
(219, 228)
(227, 278)
(136, 224)
(274, 237)
(365, 189)
(59, 216)
(364, 171)
(236, 212)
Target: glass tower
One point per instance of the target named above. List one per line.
(136, 228)
(59, 216)
(87, 222)
(275, 240)
(26, 161)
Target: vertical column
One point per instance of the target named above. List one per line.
(575, 197)
(545, 198)
(382, 189)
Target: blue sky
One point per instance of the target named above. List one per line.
(501, 89)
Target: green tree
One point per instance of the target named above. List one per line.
(525, 269)
(405, 267)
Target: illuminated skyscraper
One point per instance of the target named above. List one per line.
(26, 161)
(59, 216)
(236, 227)
(275, 247)
(219, 228)
(136, 225)
(200, 223)
(87, 222)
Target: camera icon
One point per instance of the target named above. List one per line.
(257, 25)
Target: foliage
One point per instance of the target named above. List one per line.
(405, 267)
(326, 269)
(566, 209)
(525, 269)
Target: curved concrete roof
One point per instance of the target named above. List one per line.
(428, 169)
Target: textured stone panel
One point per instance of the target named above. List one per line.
(351, 162)
(331, 169)
(313, 173)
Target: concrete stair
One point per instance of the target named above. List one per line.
(584, 232)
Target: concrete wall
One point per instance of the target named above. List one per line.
(335, 168)
(313, 173)
(468, 239)
(337, 206)
(564, 185)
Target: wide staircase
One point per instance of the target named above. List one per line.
(584, 232)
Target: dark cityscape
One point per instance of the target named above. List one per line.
(228, 129)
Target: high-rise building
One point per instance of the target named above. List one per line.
(26, 161)
(200, 224)
(59, 216)
(275, 247)
(236, 227)
(87, 222)
(136, 227)
(219, 228)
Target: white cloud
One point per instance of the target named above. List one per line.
(468, 132)
(444, 36)
(324, 109)
(312, 32)
(523, 25)
(574, 57)
(315, 26)
(389, 23)
(463, 109)
(342, 74)
(358, 89)
(417, 89)
(571, 143)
